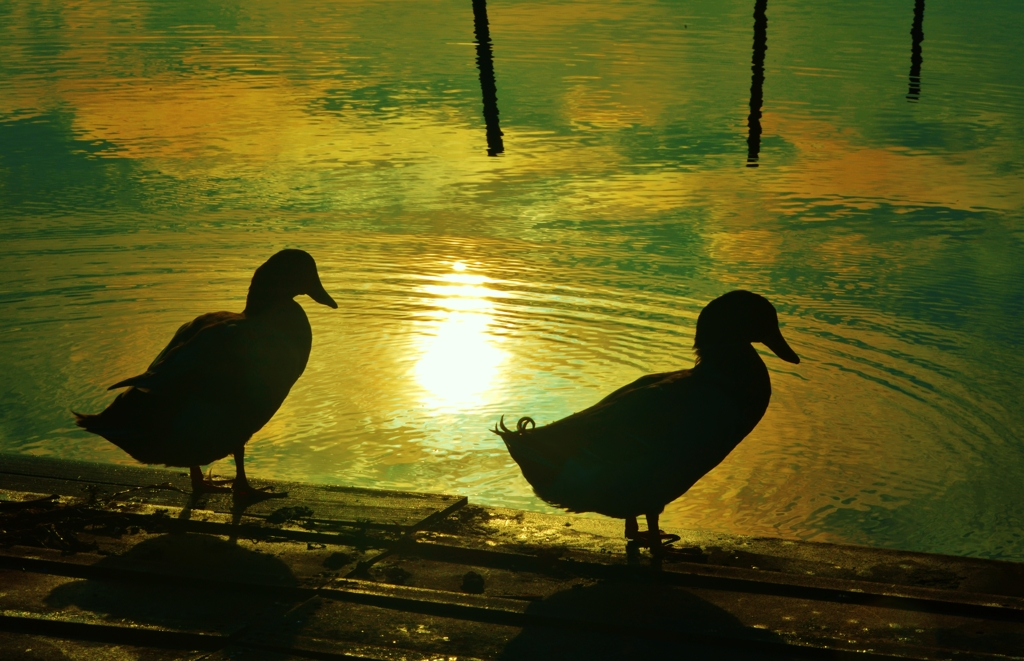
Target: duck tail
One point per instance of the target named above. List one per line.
(86, 421)
(112, 424)
(98, 424)
(524, 424)
(538, 469)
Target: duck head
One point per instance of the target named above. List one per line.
(741, 317)
(283, 277)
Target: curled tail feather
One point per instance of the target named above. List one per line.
(521, 426)
(537, 467)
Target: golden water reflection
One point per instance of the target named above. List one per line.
(460, 360)
(147, 165)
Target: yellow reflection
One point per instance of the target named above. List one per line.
(461, 358)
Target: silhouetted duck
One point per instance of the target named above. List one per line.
(221, 378)
(647, 443)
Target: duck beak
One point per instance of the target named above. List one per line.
(320, 295)
(780, 347)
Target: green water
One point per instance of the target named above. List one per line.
(152, 154)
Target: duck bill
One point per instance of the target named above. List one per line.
(320, 295)
(781, 348)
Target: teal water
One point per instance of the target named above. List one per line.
(153, 154)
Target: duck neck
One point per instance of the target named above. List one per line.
(742, 373)
(261, 299)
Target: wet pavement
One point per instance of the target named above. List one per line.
(111, 562)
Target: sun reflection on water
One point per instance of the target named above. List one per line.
(460, 359)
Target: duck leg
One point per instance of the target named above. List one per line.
(201, 484)
(245, 491)
(653, 537)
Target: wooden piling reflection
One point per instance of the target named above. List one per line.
(917, 36)
(488, 88)
(757, 83)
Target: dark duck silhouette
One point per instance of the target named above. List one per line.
(647, 443)
(221, 378)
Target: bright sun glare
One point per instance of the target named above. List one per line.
(460, 359)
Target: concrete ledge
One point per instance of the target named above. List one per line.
(94, 556)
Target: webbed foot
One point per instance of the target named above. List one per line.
(243, 492)
(656, 541)
(205, 483)
(643, 538)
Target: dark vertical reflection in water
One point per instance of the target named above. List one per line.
(485, 62)
(757, 82)
(917, 34)
(340, 128)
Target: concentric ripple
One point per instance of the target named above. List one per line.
(153, 154)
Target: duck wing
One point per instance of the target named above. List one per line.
(542, 451)
(193, 405)
(200, 346)
(637, 449)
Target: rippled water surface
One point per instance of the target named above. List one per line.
(152, 154)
